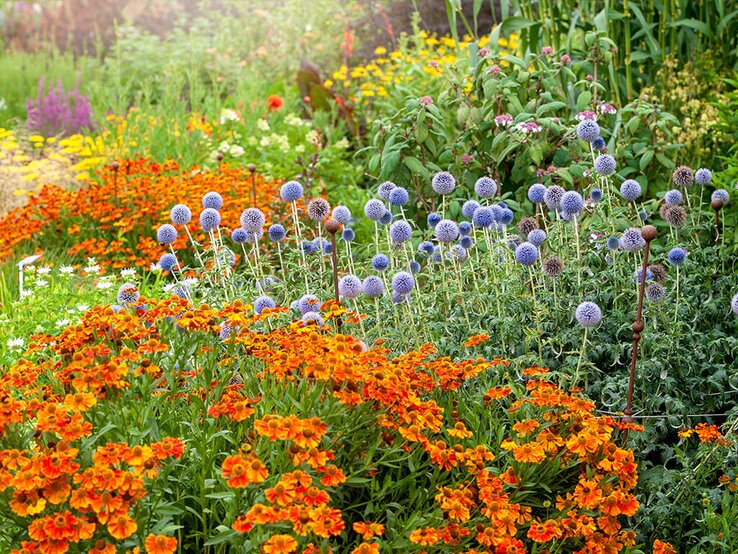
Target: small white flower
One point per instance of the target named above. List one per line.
(45, 270)
(190, 281)
(263, 125)
(300, 148)
(25, 293)
(40, 283)
(63, 322)
(224, 147)
(104, 285)
(227, 115)
(29, 268)
(16, 345)
(251, 141)
(82, 307)
(169, 287)
(343, 143)
(236, 151)
(155, 268)
(128, 272)
(66, 270)
(93, 269)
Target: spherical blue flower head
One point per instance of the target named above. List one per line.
(308, 303)
(536, 237)
(374, 209)
(483, 217)
(458, 253)
(239, 235)
(526, 254)
(212, 200)
(703, 176)
(312, 318)
(253, 238)
(572, 202)
(466, 242)
(655, 292)
(318, 209)
(506, 216)
(265, 284)
(447, 231)
(502, 205)
(291, 191)
(433, 219)
(598, 144)
(426, 246)
(349, 286)
(384, 190)
(536, 193)
(386, 218)
(380, 262)
(183, 292)
(630, 189)
(631, 241)
(595, 195)
(677, 256)
(720, 194)
(443, 182)
(327, 247)
(373, 286)
(552, 197)
(348, 234)
(167, 261)
(414, 267)
(436, 257)
(399, 196)
(588, 314)
(485, 187)
(465, 228)
(180, 214)
(322, 244)
(262, 303)
(127, 294)
(673, 197)
(308, 247)
(400, 298)
(225, 332)
(166, 234)
(613, 243)
(513, 241)
(400, 231)
(209, 219)
(469, 207)
(588, 130)
(639, 272)
(643, 215)
(402, 282)
(734, 304)
(342, 214)
(568, 216)
(605, 164)
(276, 232)
(116, 308)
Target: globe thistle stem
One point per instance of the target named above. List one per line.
(676, 303)
(536, 315)
(581, 356)
(334, 264)
(461, 292)
(194, 247)
(298, 241)
(579, 253)
(281, 263)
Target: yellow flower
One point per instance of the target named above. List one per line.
(328, 83)
(380, 50)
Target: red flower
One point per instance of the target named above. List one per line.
(274, 102)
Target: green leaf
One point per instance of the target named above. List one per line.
(646, 160)
(583, 100)
(416, 166)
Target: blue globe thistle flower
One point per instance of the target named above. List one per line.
(311, 318)
(734, 304)
(276, 233)
(386, 218)
(572, 202)
(402, 282)
(643, 215)
(703, 176)
(399, 196)
(595, 195)
(348, 234)
(327, 247)
(262, 303)
(116, 308)
(513, 241)
(443, 183)
(183, 292)
(167, 262)
(180, 214)
(127, 294)
(239, 235)
(552, 197)
(225, 331)
(400, 231)
(433, 219)
(469, 207)
(631, 241)
(309, 247)
(655, 292)
(638, 272)
(166, 234)
(673, 197)
(568, 216)
(291, 191)
(458, 253)
(253, 220)
(374, 209)
(308, 303)
(536, 237)
(588, 314)
(466, 242)
(349, 286)
(683, 176)
(209, 219)
(588, 130)
(322, 245)
(342, 214)
(677, 256)
(265, 284)
(536, 193)
(630, 189)
(318, 209)
(447, 231)
(465, 228)
(485, 187)
(400, 298)
(212, 200)
(426, 246)
(605, 164)
(483, 217)
(253, 238)
(506, 216)
(385, 189)
(598, 144)
(436, 257)
(380, 262)
(373, 286)
(502, 204)
(414, 267)
(613, 243)
(720, 194)
(526, 254)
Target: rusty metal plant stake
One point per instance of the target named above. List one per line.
(332, 226)
(648, 233)
(717, 204)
